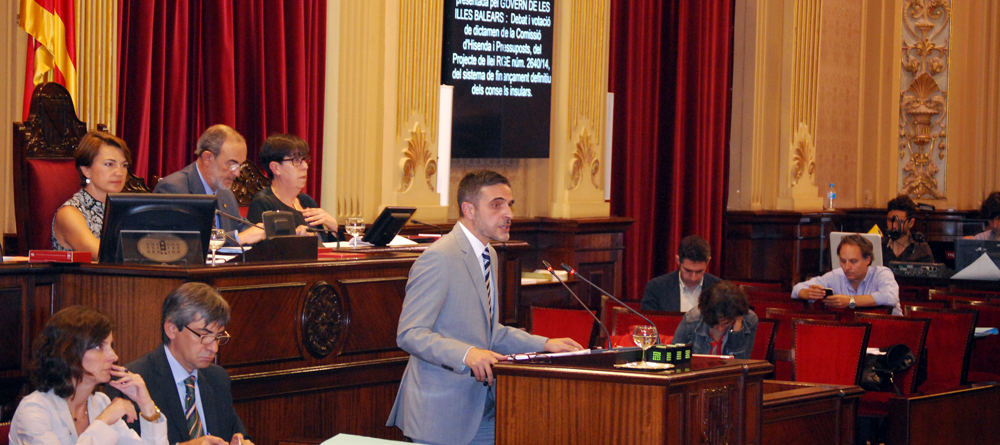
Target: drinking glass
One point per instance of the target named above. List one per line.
(216, 241)
(645, 337)
(355, 227)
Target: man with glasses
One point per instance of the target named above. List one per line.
(192, 391)
(220, 153)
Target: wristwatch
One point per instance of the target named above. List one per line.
(152, 418)
(852, 304)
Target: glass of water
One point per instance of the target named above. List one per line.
(355, 227)
(216, 241)
(645, 337)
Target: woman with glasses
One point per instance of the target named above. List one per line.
(285, 158)
(71, 357)
(722, 324)
(102, 161)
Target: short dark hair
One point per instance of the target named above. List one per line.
(722, 300)
(278, 146)
(694, 248)
(991, 207)
(857, 240)
(903, 203)
(215, 137)
(90, 144)
(192, 301)
(57, 357)
(471, 186)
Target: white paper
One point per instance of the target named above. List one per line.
(397, 241)
(982, 269)
(983, 332)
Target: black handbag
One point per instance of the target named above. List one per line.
(880, 370)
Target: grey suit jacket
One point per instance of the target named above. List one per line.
(216, 399)
(663, 293)
(186, 181)
(445, 312)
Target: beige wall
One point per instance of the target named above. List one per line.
(381, 138)
(13, 40)
(856, 103)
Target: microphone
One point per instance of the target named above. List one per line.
(242, 250)
(598, 320)
(440, 232)
(234, 218)
(573, 272)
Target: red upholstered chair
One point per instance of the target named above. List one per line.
(888, 330)
(4, 433)
(573, 323)
(984, 365)
(828, 351)
(665, 322)
(767, 295)
(951, 298)
(763, 341)
(949, 344)
(783, 336)
(936, 304)
(44, 167)
(761, 306)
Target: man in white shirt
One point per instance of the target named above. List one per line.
(679, 290)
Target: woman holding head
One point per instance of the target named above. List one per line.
(285, 158)
(722, 324)
(72, 356)
(102, 161)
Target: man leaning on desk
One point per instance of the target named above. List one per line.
(856, 283)
(220, 153)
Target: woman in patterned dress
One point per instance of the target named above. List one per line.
(102, 160)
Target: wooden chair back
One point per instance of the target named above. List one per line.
(986, 354)
(828, 351)
(248, 183)
(888, 330)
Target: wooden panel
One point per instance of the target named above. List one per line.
(374, 305)
(268, 307)
(597, 414)
(966, 415)
(11, 348)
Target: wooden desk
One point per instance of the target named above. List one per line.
(586, 400)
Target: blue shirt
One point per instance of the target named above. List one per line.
(180, 374)
(879, 282)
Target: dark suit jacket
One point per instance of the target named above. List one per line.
(186, 181)
(663, 293)
(216, 400)
(265, 201)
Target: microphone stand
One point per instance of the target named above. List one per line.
(598, 320)
(573, 272)
(440, 232)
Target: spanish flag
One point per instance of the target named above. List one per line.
(50, 23)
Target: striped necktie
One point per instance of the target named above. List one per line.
(191, 410)
(489, 286)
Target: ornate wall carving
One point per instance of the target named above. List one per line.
(585, 162)
(420, 25)
(417, 157)
(323, 320)
(923, 104)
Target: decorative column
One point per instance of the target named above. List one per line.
(797, 188)
(579, 91)
(923, 101)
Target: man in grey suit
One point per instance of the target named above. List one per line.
(449, 324)
(220, 152)
(679, 290)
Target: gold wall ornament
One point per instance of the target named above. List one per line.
(923, 104)
(584, 157)
(416, 155)
(803, 154)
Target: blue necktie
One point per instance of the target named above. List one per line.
(489, 286)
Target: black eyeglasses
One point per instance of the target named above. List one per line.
(298, 160)
(207, 339)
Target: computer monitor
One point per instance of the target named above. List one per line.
(387, 225)
(967, 251)
(151, 228)
(836, 237)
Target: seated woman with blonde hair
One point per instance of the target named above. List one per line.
(71, 357)
(102, 161)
